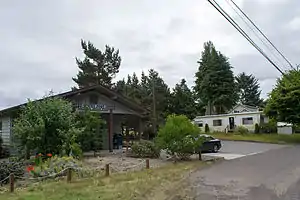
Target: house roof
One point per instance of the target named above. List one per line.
(106, 91)
(250, 108)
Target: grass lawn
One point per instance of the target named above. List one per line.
(267, 138)
(153, 184)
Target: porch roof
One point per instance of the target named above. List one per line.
(105, 91)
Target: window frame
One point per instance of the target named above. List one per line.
(219, 124)
(247, 119)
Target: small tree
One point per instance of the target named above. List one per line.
(257, 128)
(48, 126)
(179, 136)
(206, 128)
(94, 127)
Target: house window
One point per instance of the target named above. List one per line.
(217, 122)
(200, 125)
(248, 121)
(94, 99)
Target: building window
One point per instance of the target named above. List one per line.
(200, 125)
(217, 122)
(248, 121)
(94, 99)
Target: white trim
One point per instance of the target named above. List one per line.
(246, 107)
(229, 114)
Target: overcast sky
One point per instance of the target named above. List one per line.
(40, 39)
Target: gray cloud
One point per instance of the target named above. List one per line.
(41, 39)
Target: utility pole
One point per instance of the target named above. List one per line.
(154, 106)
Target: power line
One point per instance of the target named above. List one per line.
(256, 34)
(232, 22)
(262, 34)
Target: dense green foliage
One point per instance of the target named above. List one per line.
(248, 90)
(90, 139)
(97, 67)
(151, 92)
(55, 165)
(215, 85)
(178, 136)
(47, 126)
(283, 104)
(182, 101)
(270, 127)
(145, 149)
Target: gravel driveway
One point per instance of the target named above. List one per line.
(272, 175)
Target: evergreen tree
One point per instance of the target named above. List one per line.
(215, 84)
(249, 92)
(97, 67)
(151, 92)
(160, 94)
(120, 86)
(283, 104)
(182, 101)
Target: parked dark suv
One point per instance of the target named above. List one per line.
(210, 144)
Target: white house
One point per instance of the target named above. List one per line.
(240, 115)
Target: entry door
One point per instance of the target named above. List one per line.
(231, 123)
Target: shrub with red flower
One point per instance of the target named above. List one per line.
(49, 155)
(30, 168)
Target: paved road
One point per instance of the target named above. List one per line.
(232, 150)
(272, 175)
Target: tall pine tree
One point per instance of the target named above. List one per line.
(97, 67)
(249, 90)
(182, 100)
(215, 84)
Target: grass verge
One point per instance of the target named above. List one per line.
(266, 138)
(126, 186)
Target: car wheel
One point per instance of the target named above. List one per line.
(215, 148)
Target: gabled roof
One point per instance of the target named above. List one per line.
(108, 92)
(246, 107)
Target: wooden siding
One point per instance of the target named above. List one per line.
(118, 108)
(6, 130)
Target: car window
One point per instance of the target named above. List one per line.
(210, 138)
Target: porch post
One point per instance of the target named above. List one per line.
(141, 129)
(110, 132)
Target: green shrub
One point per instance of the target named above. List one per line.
(55, 165)
(206, 128)
(257, 129)
(93, 128)
(241, 130)
(145, 149)
(178, 136)
(270, 127)
(11, 166)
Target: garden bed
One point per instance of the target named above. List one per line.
(122, 163)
